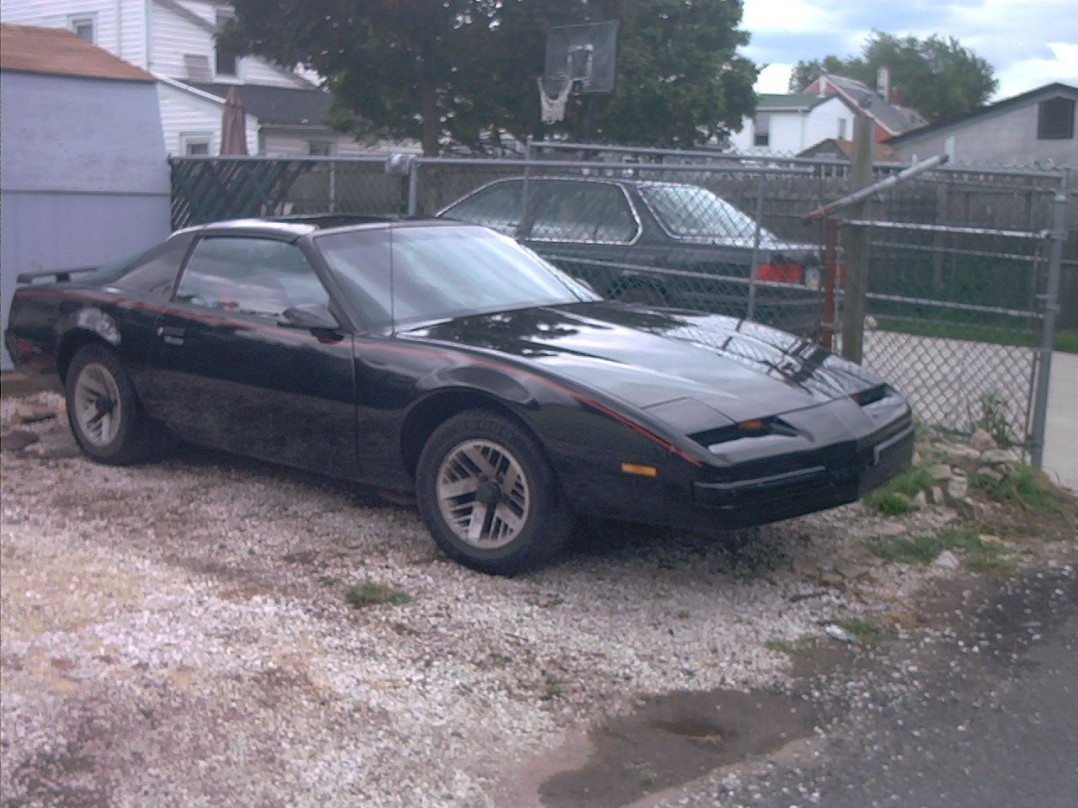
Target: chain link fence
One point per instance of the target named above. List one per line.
(959, 280)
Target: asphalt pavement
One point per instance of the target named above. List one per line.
(985, 717)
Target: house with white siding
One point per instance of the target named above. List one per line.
(174, 41)
(803, 123)
(788, 124)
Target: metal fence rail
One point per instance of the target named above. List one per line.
(961, 260)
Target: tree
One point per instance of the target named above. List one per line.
(464, 70)
(938, 78)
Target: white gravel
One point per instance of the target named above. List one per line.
(177, 634)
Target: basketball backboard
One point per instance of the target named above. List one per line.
(583, 55)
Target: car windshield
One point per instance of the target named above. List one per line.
(408, 274)
(688, 211)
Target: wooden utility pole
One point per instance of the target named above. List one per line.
(855, 243)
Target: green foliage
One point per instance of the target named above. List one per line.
(993, 419)
(1022, 485)
(371, 594)
(896, 497)
(464, 71)
(798, 647)
(937, 77)
(977, 555)
(865, 631)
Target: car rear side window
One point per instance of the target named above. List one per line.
(499, 206)
(154, 272)
(254, 276)
(584, 212)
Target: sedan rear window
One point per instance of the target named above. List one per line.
(688, 211)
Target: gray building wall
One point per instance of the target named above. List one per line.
(83, 175)
(1003, 138)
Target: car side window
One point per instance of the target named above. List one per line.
(584, 211)
(499, 207)
(253, 276)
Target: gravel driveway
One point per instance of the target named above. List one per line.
(181, 633)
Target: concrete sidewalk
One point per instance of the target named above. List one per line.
(1061, 429)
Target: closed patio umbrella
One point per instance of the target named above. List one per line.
(233, 125)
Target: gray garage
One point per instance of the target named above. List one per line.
(83, 172)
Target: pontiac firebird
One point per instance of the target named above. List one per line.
(447, 361)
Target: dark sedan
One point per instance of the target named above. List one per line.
(665, 243)
(446, 360)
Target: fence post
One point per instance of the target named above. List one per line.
(333, 186)
(413, 187)
(856, 243)
(1057, 236)
(754, 268)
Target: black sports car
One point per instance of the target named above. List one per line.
(664, 243)
(446, 360)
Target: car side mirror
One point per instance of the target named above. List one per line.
(311, 316)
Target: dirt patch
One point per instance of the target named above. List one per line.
(674, 738)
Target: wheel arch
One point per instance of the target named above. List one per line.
(438, 408)
(71, 343)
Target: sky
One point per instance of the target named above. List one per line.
(1028, 43)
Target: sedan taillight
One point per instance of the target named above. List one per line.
(781, 273)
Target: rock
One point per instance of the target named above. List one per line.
(1000, 457)
(940, 472)
(920, 499)
(947, 560)
(852, 570)
(958, 487)
(32, 414)
(982, 441)
(960, 452)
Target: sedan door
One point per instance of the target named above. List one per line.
(229, 371)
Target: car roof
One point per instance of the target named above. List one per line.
(305, 225)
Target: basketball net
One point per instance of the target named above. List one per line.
(553, 109)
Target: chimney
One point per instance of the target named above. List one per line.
(883, 84)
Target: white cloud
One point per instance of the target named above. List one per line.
(1027, 44)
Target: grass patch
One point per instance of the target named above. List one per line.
(977, 555)
(1066, 339)
(1023, 485)
(369, 594)
(866, 632)
(798, 647)
(896, 497)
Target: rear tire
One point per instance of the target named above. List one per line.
(103, 409)
(487, 493)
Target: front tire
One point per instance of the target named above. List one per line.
(487, 493)
(103, 409)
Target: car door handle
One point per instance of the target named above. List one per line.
(172, 335)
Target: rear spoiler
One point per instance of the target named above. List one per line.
(53, 276)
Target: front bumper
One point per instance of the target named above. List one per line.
(834, 476)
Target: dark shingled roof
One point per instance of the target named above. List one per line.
(56, 52)
(280, 106)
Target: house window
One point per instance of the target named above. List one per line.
(195, 144)
(762, 131)
(319, 148)
(226, 61)
(1055, 119)
(83, 26)
(842, 123)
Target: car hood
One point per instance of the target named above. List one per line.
(651, 358)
